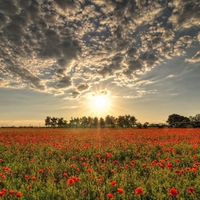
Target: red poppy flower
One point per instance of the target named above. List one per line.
(115, 161)
(65, 174)
(187, 169)
(120, 190)
(99, 181)
(173, 192)
(78, 169)
(77, 179)
(29, 187)
(109, 155)
(26, 177)
(70, 181)
(110, 195)
(89, 170)
(191, 190)
(139, 190)
(84, 191)
(169, 166)
(48, 169)
(113, 183)
(11, 192)
(193, 170)
(19, 194)
(41, 171)
(2, 193)
(33, 178)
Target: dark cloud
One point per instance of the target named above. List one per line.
(2, 18)
(75, 94)
(82, 87)
(186, 14)
(64, 82)
(149, 59)
(26, 76)
(8, 7)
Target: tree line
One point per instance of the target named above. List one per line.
(179, 121)
(123, 121)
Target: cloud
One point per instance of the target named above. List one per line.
(171, 76)
(82, 87)
(195, 58)
(182, 44)
(64, 82)
(75, 94)
(198, 37)
(97, 93)
(47, 45)
(26, 76)
(185, 14)
(8, 7)
(104, 92)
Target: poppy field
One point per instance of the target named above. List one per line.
(99, 164)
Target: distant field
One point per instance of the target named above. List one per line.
(90, 164)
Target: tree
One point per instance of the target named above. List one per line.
(90, 121)
(110, 121)
(102, 122)
(176, 120)
(127, 121)
(139, 125)
(84, 121)
(60, 122)
(48, 121)
(72, 122)
(120, 121)
(132, 121)
(197, 117)
(145, 125)
(54, 122)
(95, 122)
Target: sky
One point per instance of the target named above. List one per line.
(58, 56)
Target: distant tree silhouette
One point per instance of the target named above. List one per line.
(145, 125)
(95, 122)
(54, 121)
(48, 121)
(102, 122)
(84, 122)
(126, 121)
(176, 120)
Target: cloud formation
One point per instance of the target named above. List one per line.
(48, 45)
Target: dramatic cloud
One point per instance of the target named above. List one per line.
(195, 58)
(68, 46)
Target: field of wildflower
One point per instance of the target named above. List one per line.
(98, 164)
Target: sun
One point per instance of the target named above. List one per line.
(100, 101)
(98, 104)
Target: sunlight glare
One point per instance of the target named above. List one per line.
(100, 101)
